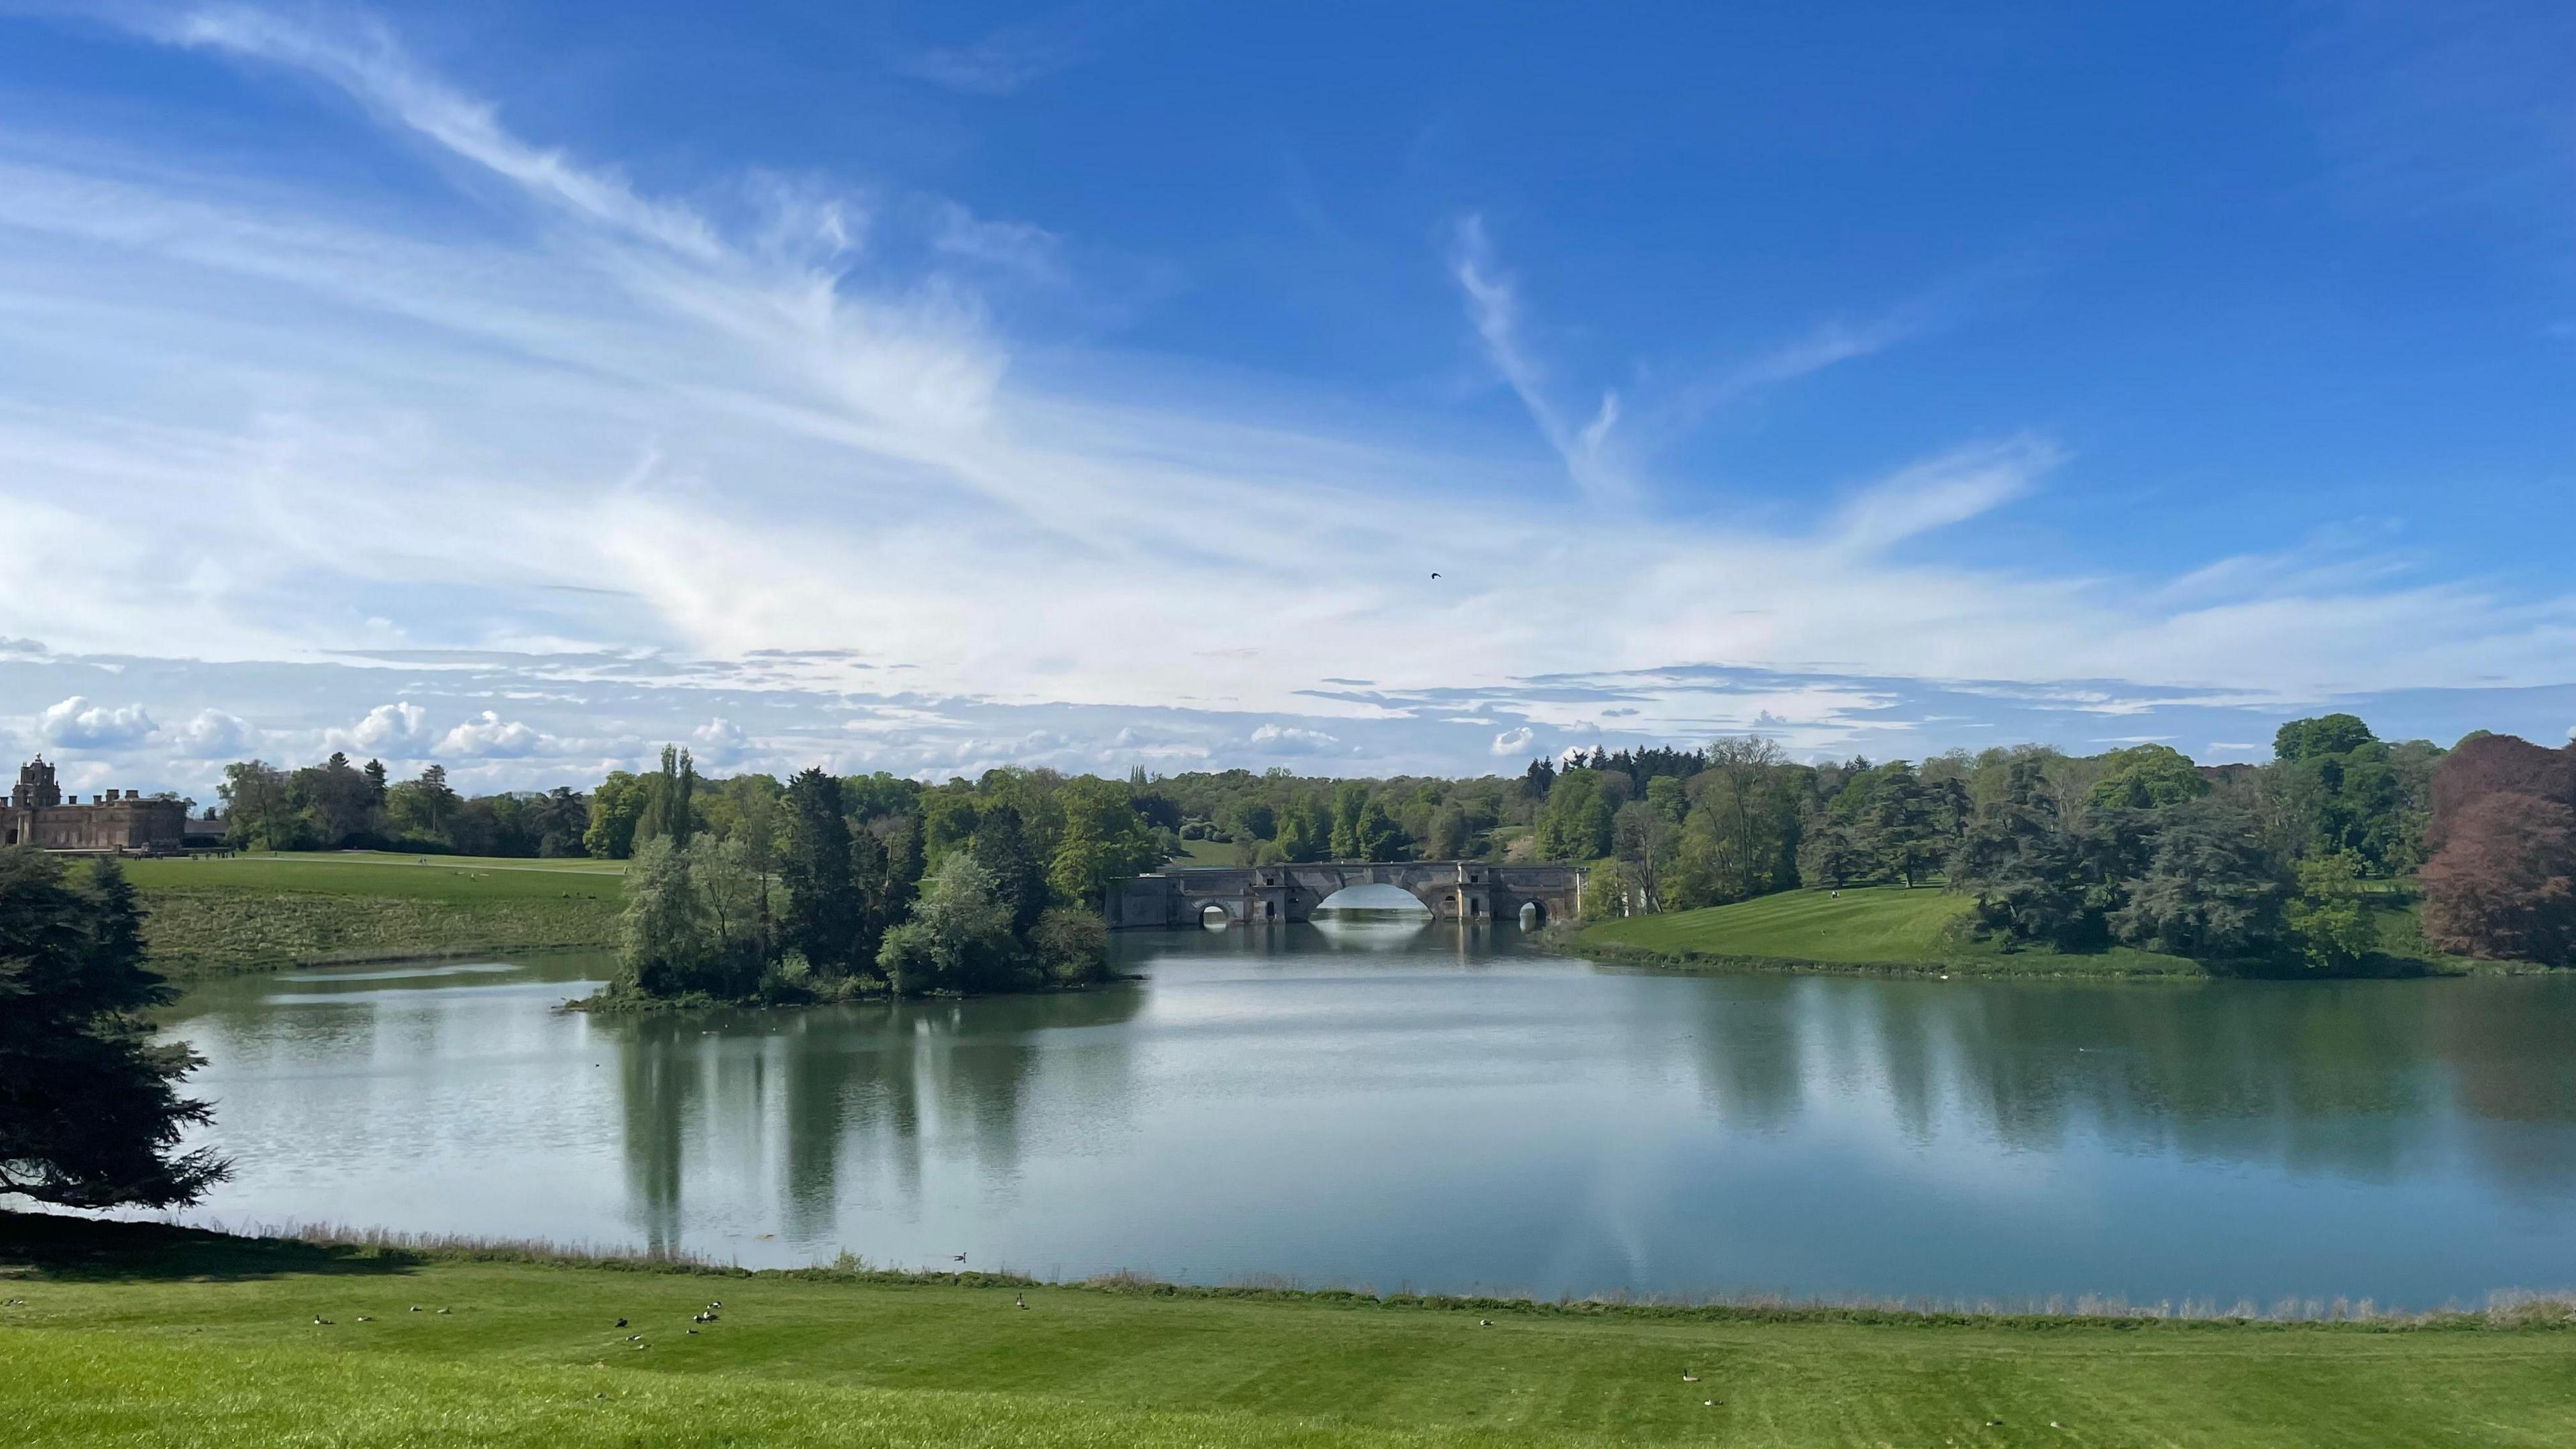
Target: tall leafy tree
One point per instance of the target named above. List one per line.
(663, 931)
(670, 805)
(959, 935)
(1103, 841)
(1580, 818)
(259, 816)
(616, 809)
(90, 1110)
(2146, 777)
(2333, 734)
(1350, 799)
(1644, 839)
(2328, 917)
(1305, 830)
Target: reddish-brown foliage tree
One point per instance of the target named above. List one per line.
(2493, 765)
(2503, 887)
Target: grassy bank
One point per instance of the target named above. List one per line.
(210, 916)
(1887, 928)
(131, 1335)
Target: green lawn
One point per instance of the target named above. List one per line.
(469, 879)
(1873, 926)
(142, 1336)
(1199, 853)
(1923, 929)
(248, 912)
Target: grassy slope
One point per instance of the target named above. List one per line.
(208, 1347)
(1197, 853)
(212, 915)
(1879, 926)
(1890, 928)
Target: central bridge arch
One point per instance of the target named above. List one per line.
(1450, 890)
(1372, 896)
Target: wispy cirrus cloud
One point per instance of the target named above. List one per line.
(1010, 57)
(608, 479)
(1939, 492)
(1494, 305)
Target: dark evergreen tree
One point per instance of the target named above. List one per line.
(825, 901)
(1001, 846)
(2209, 891)
(871, 871)
(1904, 825)
(90, 1113)
(2026, 869)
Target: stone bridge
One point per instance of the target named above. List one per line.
(1454, 890)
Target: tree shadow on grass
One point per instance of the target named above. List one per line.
(49, 1245)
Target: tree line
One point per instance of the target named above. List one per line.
(2138, 845)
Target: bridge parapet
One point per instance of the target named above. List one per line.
(1455, 890)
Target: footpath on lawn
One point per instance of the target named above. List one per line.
(129, 1334)
(210, 915)
(1924, 931)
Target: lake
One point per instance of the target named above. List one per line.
(1446, 1109)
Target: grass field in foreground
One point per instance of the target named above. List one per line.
(153, 1337)
(246, 912)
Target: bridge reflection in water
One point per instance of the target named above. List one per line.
(1451, 890)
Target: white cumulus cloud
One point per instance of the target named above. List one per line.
(1279, 739)
(211, 734)
(719, 741)
(490, 737)
(76, 723)
(1512, 742)
(397, 729)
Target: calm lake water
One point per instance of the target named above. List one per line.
(1446, 1110)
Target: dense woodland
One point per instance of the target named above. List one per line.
(2137, 846)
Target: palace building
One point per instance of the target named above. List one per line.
(111, 823)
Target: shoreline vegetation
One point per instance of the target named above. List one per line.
(62, 1242)
(2342, 856)
(373, 1338)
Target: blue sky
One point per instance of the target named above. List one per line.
(928, 388)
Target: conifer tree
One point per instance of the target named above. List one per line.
(90, 1113)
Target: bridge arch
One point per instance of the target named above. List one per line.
(1374, 897)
